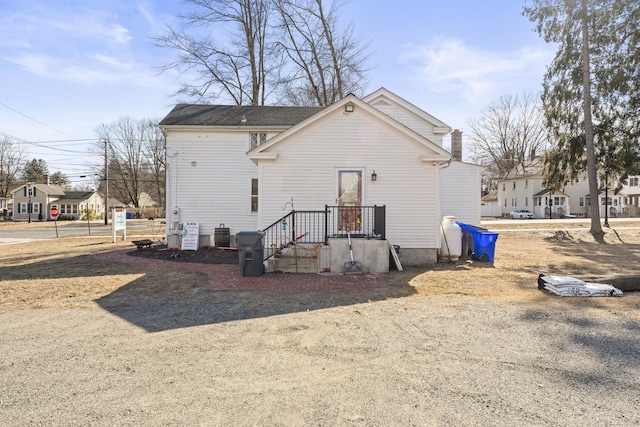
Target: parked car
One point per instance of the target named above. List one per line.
(521, 213)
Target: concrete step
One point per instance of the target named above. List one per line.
(292, 264)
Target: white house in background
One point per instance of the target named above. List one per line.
(631, 199)
(374, 167)
(522, 188)
(490, 205)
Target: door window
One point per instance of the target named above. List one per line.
(350, 200)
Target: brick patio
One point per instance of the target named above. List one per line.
(225, 277)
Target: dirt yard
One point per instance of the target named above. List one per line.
(454, 344)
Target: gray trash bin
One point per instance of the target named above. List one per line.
(250, 253)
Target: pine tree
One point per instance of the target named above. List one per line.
(591, 93)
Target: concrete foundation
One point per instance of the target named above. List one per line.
(418, 257)
(372, 254)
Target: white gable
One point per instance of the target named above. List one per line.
(409, 115)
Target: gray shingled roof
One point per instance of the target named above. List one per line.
(76, 195)
(233, 115)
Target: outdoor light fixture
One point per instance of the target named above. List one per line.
(374, 176)
(349, 108)
(193, 163)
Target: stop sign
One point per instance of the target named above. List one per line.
(53, 212)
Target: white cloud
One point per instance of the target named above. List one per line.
(94, 69)
(450, 65)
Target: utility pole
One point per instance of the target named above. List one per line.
(30, 192)
(106, 183)
(606, 202)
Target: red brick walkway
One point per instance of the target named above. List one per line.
(225, 277)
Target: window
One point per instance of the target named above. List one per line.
(633, 181)
(526, 201)
(581, 202)
(505, 203)
(254, 195)
(503, 186)
(526, 183)
(75, 209)
(22, 207)
(257, 139)
(514, 185)
(36, 208)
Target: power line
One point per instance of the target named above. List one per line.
(35, 120)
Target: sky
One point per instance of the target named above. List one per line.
(68, 66)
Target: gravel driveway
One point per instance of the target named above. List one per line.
(322, 359)
(85, 342)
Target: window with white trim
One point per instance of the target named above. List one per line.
(633, 181)
(36, 207)
(254, 195)
(257, 138)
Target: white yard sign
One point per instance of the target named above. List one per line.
(190, 236)
(118, 223)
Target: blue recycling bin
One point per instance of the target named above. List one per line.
(128, 215)
(484, 242)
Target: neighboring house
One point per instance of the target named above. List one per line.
(490, 205)
(631, 191)
(146, 201)
(247, 167)
(522, 188)
(73, 204)
(3, 206)
(33, 201)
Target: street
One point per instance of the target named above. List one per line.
(12, 232)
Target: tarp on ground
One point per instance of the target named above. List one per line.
(566, 286)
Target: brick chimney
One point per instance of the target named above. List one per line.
(456, 145)
(47, 181)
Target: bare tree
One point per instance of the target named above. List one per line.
(130, 149)
(155, 150)
(11, 162)
(225, 43)
(326, 61)
(240, 50)
(510, 130)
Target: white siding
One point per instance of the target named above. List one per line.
(307, 164)
(460, 192)
(214, 185)
(410, 120)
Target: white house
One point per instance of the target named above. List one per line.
(32, 202)
(374, 167)
(523, 188)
